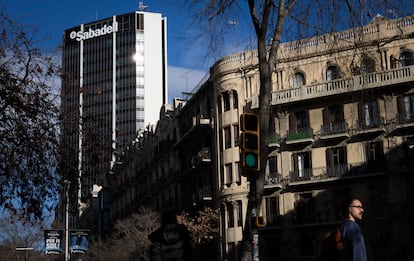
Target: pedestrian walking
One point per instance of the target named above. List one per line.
(170, 242)
(352, 237)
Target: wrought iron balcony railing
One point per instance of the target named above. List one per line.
(334, 128)
(299, 135)
(337, 171)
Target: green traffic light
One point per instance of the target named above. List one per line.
(251, 160)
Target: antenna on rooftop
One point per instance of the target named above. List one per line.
(141, 6)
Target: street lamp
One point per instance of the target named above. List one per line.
(67, 186)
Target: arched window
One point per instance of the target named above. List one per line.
(332, 73)
(406, 59)
(298, 80)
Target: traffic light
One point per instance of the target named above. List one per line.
(250, 142)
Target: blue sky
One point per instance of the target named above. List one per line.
(186, 58)
(52, 17)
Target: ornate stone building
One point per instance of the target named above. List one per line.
(342, 124)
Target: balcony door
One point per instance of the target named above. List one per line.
(333, 119)
(368, 114)
(302, 165)
(406, 108)
(336, 161)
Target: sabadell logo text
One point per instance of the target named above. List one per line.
(106, 29)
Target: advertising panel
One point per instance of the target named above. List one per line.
(79, 241)
(53, 241)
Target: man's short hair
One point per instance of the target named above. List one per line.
(168, 216)
(345, 205)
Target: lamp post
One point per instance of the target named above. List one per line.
(67, 186)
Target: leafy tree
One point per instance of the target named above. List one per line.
(28, 121)
(274, 21)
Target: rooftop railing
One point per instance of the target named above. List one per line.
(338, 86)
(384, 29)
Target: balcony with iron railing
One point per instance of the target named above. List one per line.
(195, 161)
(273, 178)
(375, 124)
(300, 135)
(338, 171)
(405, 118)
(334, 130)
(405, 121)
(273, 140)
(273, 182)
(203, 156)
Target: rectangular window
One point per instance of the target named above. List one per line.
(302, 166)
(272, 165)
(236, 135)
(374, 153)
(229, 174)
(231, 254)
(272, 210)
(368, 115)
(406, 108)
(299, 120)
(237, 172)
(230, 215)
(271, 174)
(239, 213)
(333, 114)
(304, 208)
(227, 137)
(336, 161)
(409, 152)
(140, 22)
(226, 101)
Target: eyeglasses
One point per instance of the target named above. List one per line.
(359, 207)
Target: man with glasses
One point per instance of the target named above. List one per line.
(352, 238)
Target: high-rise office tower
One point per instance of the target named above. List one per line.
(114, 83)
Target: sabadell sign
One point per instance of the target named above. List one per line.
(106, 29)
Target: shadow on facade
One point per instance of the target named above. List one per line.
(385, 187)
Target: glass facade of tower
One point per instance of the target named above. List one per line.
(108, 67)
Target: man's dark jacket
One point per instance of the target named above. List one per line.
(170, 242)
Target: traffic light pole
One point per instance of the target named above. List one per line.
(254, 228)
(250, 163)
